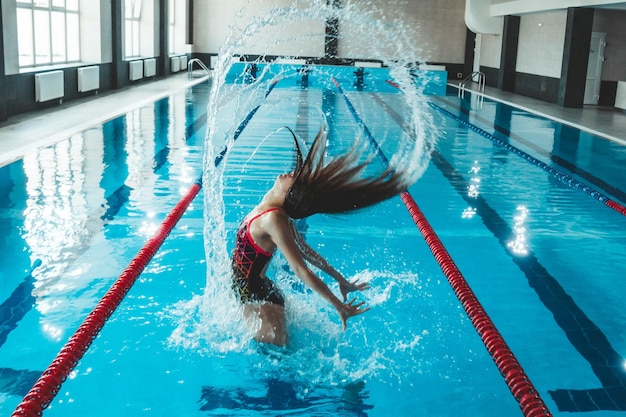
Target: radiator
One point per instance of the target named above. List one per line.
(175, 64)
(149, 67)
(48, 85)
(183, 62)
(135, 70)
(88, 78)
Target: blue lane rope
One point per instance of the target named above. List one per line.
(561, 176)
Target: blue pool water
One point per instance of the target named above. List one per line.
(545, 260)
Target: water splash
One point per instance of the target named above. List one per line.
(211, 323)
(373, 32)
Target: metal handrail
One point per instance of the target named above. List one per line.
(199, 62)
(481, 82)
(481, 85)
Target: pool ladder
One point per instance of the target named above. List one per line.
(200, 63)
(478, 77)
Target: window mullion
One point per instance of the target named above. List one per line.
(32, 18)
(51, 59)
(67, 56)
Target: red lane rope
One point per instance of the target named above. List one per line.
(616, 206)
(393, 84)
(516, 379)
(519, 384)
(47, 386)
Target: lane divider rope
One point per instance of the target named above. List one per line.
(561, 176)
(519, 384)
(49, 383)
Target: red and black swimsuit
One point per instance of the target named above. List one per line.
(249, 264)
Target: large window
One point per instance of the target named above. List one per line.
(177, 27)
(48, 32)
(132, 20)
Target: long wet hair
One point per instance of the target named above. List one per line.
(339, 185)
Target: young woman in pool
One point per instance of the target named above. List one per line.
(313, 187)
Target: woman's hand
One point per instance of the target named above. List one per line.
(350, 309)
(346, 287)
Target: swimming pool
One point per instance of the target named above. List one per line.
(544, 259)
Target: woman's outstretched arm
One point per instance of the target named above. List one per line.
(276, 224)
(316, 259)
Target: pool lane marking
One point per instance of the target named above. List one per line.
(587, 176)
(112, 205)
(584, 335)
(194, 127)
(17, 382)
(561, 176)
(47, 386)
(20, 302)
(517, 381)
(243, 125)
(12, 310)
(118, 198)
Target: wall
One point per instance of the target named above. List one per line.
(9, 29)
(490, 50)
(541, 53)
(106, 36)
(101, 23)
(215, 22)
(96, 48)
(550, 36)
(430, 30)
(612, 23)
(520, 7)
(539, 58)
(433, 30)
(541, 42)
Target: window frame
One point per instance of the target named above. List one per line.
(132, 28)
(48, 12)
